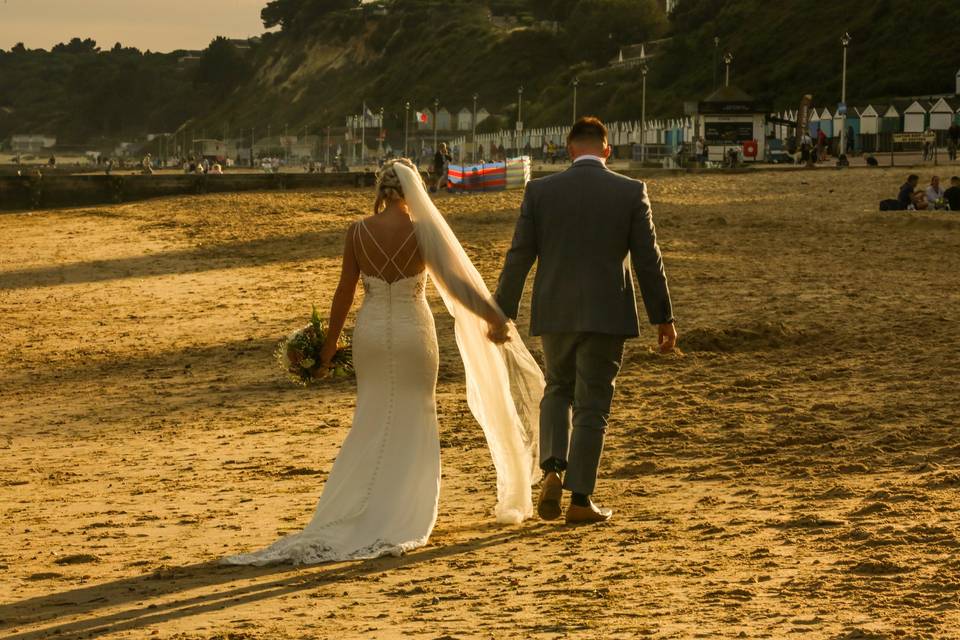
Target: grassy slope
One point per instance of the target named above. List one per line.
(781, 51)
(317, 75)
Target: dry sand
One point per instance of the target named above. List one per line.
(794, 474)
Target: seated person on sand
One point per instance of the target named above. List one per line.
(952, 195)
(905, 198)
(935, 193)
(216, 170)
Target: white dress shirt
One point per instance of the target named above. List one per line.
(589, 157)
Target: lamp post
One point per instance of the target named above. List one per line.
(845, 42)
(382, 136)
(644, 68)
(727, 59)
(436, 109)
(406, 121)
(473, 137)
(716, 59)
(576, 83)
(519, 135)
(363, 135)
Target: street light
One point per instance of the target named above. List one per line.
(845, 41)
(728, 58)
(644, 68)
(474, 136)
(716, 59)
(519, 134)
(436, 109)
(381, 136)
(576, 83)
(406, 121)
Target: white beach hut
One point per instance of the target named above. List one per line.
(915, 118)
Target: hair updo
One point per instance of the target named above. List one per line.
(388, 183)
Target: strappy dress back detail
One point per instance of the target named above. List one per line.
(386, 268)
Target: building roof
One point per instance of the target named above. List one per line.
(729, 94)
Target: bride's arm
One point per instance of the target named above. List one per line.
(342, 299)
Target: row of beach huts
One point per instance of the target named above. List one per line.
(872, 126)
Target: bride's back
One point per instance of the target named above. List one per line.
(386, 246)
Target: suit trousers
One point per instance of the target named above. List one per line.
(580, 372)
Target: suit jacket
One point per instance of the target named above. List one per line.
(584, 227)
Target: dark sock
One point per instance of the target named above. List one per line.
(580, 499)
(553, 464)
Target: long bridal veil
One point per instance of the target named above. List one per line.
(504, 383)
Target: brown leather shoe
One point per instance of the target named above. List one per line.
(587, 515)
(550, 493)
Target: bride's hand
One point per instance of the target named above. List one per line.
(326, 358)
(499, 332)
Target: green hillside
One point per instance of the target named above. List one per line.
(330, 56)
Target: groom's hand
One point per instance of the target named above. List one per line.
(667, 338)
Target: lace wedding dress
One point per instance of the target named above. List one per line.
(381, 495)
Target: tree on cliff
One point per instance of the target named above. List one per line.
(285, 13)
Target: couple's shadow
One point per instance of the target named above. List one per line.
(67, 615)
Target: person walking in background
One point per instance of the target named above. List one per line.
(821, 145)
(441, 164)
(953, 140)
(806, 143)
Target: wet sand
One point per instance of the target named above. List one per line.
(795, 473)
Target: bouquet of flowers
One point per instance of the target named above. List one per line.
(299, 354)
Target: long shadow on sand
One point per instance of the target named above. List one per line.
(48, 610)
(305, 246)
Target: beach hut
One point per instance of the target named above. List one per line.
(890, 121)
(915, 118)
(813, 123)
(464, 119)
(444, 119)
(870, 119)
(942, 114)
(870, 126)
(853, 126)
(826, 122)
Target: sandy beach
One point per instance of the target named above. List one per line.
(793, 473)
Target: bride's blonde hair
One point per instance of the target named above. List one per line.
(388, 183)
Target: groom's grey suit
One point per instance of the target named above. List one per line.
(581, 226)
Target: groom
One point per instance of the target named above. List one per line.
(581, 226)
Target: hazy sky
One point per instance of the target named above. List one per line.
(158, 25)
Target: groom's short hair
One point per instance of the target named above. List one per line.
(586, 130)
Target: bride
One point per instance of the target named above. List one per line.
(381, 495)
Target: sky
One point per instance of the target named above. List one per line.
(157, 25)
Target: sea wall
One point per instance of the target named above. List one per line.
(38, 192)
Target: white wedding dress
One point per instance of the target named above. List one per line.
(381, 496)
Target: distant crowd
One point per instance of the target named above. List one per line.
(913, 197)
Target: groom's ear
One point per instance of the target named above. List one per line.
(606, 151)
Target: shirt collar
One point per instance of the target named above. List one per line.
(589, 157)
